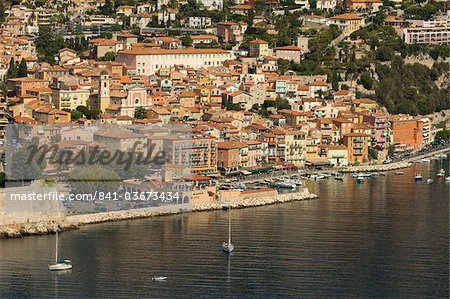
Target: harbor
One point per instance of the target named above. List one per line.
(388, 228)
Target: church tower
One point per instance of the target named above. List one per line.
(104, 98)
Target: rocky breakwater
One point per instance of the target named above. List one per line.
(255, 198)
(35, 228)
(245, 199)
(378, 167)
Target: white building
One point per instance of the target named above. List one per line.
(198, 22)
(212, 4)
(326, 4)
(148, 61)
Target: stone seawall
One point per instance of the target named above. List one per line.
(75, 221)
(395, 165)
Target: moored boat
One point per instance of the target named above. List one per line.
(418, 177)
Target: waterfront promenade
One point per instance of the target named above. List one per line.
(399, 164)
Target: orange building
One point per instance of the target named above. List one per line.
(228, 157)
(48, 115)
(20, 85)
(358, 147)
(406, 131)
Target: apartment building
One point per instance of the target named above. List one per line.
(68, 94)
(381, 129)
(406, 131)
(425, 35)
(358, 147)
(20, 85)
(198, 152)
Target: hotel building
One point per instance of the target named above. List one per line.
(148, 61)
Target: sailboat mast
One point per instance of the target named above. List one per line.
(56, 255)
(229, 225)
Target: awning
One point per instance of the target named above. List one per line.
(317, 161)
(245, 172)
(260, 170)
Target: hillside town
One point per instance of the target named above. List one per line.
(254, 90)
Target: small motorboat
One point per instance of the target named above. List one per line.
(447, 179)
(360, 179)
(429, 181)
(425, 160)
(399, 173)
(339, 178)
(159, 278)
(418, 177)
(441, 173)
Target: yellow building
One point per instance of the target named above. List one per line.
(348, 22)
(259, 48)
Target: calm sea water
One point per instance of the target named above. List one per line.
(387, 237)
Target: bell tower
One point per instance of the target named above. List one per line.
(104, 98)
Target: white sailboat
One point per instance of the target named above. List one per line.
(228, 246)
(62, 264)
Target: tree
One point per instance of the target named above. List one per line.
(109, 56)
(22, 69)
(384, 53)
(186, 41)
(391, 150)
(366, 80)
(12, 70)
(75, 115)
(140, 113)
(48, 44)
(442, 135)
(92, 178)
(2, 12)
(373, 153)
(108, 8)
(3, 90)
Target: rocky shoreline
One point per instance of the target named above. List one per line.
(76, 221)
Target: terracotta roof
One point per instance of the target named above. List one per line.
(172, 51)
(240, 7)
(289, 48)
(258, 41)
(230, 145)
(347, 16)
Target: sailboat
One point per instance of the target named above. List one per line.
(228, 246)
(62, 264)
